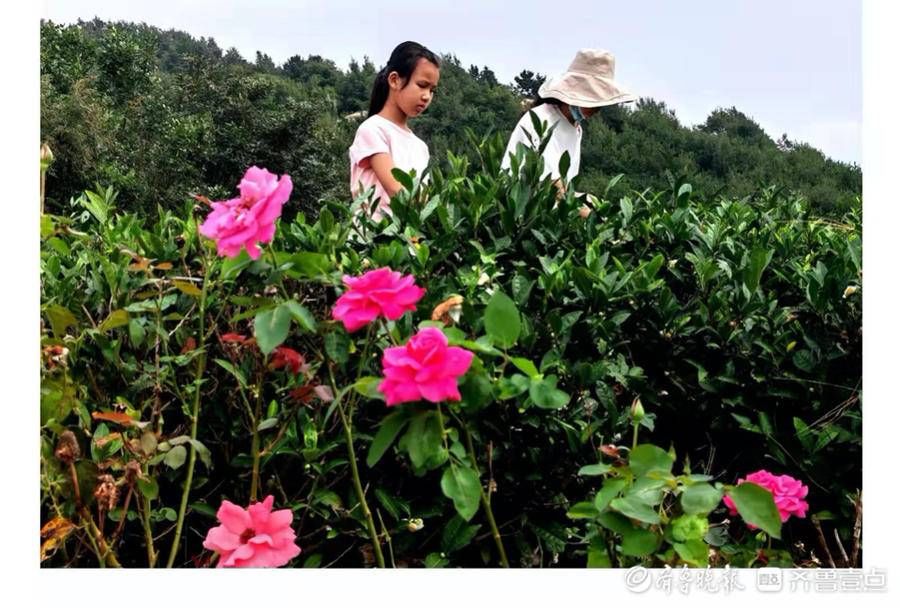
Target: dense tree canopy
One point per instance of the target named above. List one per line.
(159, 114)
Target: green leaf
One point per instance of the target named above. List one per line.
(700, 498)
(313, 561)
(60, 319)
(337, 345)
(804, 360)
(47, 227)
(136, 332)
(525, 366)
(597, 556)
(403, 177)
(513, 386)
(387, 433)
(462, 485)
(310, 264)
(694, 552)
(648, 458)
(635, 510)
(423, 439)
(564, 162)
(638, 542)
(234, 371)
(612, 183)
(594, 469)
(611, 488)
(501, 320)
(615, 522)
(476, 391)
(457, 534)
(396, 506)
(367, 386)
(202, 452)
(232, 267)
(148, 443)
(627, 210)
(203, 509)
(545, 394)
(148, 487)
(759, 259)
(435, 560)
(176, 456)
(647, 491)
(266, 424)
(116, 318)
(187, 288)
(756, 505)
(302, 316)
(582, 510)
(271, 328)
(168, 514)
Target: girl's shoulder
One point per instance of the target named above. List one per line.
(381, 123)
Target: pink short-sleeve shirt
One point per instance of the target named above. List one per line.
(375, 135)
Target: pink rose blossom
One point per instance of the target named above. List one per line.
(787, 492)
(424, 368)
(377, 292)
(250, 218)
(255, 537)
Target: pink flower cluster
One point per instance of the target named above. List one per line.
(250, 218)
(377, 292)
(425, 367)
(787, 492)
(255, 537)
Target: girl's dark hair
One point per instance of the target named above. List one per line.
(403, 61)
(553, 101)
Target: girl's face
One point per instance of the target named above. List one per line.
(414, 95)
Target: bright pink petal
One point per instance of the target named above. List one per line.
(440, 390)
(220, 539)
(233, 517)
(457, 361)
(235, 559)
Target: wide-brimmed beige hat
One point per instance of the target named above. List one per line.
(589, 83)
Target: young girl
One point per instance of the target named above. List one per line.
(402, 90)
(566, 101)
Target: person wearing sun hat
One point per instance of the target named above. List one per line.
(564, 103)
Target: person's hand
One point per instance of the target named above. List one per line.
(592, 201)
(560, 190)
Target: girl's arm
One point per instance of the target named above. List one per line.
(381, 164)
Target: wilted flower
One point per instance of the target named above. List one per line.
(787, 492)
(287, 358)
(250, 218)
(448, 311)
(377, 292)
(324, 393)
(851, 289)
(67, 450)
(424, 368)
(233, 338)
(56, 355)
(255, 537)
(106, 492)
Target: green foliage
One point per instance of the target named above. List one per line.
(728, 316)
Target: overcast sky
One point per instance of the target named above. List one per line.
(794, 66)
